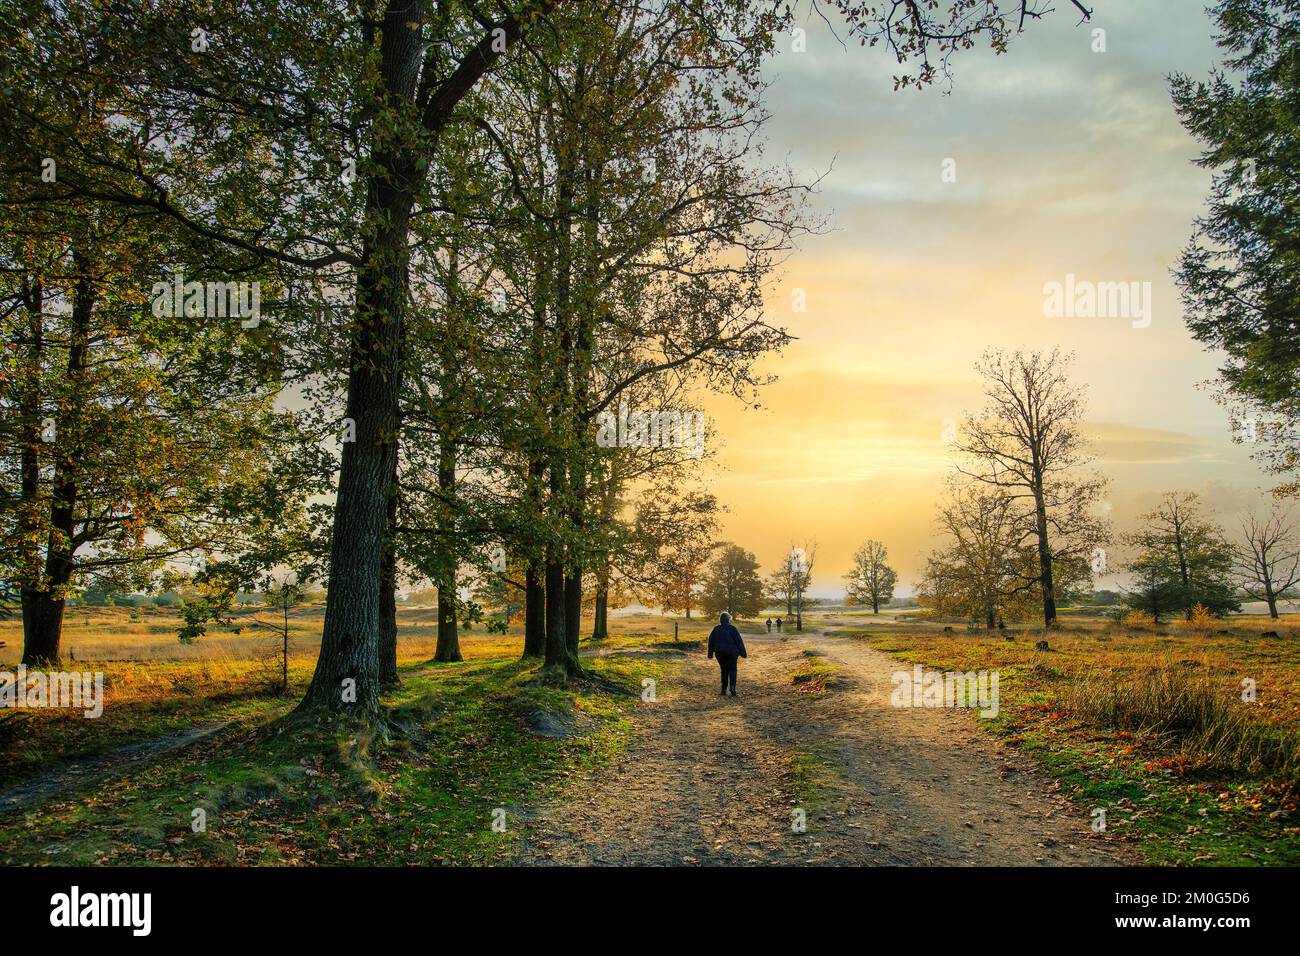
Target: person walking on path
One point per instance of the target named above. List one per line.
(769, 625)
(726, 644)
(778, 625)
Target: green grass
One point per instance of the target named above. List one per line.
(809, 776)
(815, 676)
(276, 793)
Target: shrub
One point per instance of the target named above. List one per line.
(1138, 620)
(1200, 618)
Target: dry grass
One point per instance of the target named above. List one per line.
(105, 634)
(1231, 650)
(154, 685)
(1150, 723)
(1191, 709)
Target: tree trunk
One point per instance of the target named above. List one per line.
(600, 622)
(388, 621)
(29, 561)
(534, 612)
(573, 610)
(346, 679)
(448, 649)
(557, 648)
(559, 653)
(1045, 563)
(534, 575)
(448, 639)
(42, 628)
(600, 625)
(1155, 599)
(1184, 574)
(388, 595)
(1270, 597)
(43, 602)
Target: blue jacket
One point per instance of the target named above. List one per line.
(725, 639)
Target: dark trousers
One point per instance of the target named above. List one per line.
(727, 664)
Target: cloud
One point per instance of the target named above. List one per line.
(1119, 444)
(1067, 161)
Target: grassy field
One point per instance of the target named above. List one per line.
(1147, 723)
(461, 750)
(1144, 722)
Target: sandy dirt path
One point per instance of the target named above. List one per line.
(710, 780)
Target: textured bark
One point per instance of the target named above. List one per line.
(448, 649)
(448, 639)
(388, 595)
(350, 640)
(388, 623)
(585, 310)
(535, 576)
(346, 679)
(557, 649)
(573, 610)
(600, 624)
(561, 657)
(534, 612)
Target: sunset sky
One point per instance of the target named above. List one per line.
(1067, 161)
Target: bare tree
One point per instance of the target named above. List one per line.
(780, 588)
(1268, 561)
(1027, 443)
(800, 563)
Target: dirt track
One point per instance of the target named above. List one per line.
(708, 780)
(83, 772)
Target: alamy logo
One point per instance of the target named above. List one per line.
(662, 429)
(103, 909)
(81, 691)
(921, 688)
(1082, 299)
(178, 298)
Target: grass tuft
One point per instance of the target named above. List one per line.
(1186, 706)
